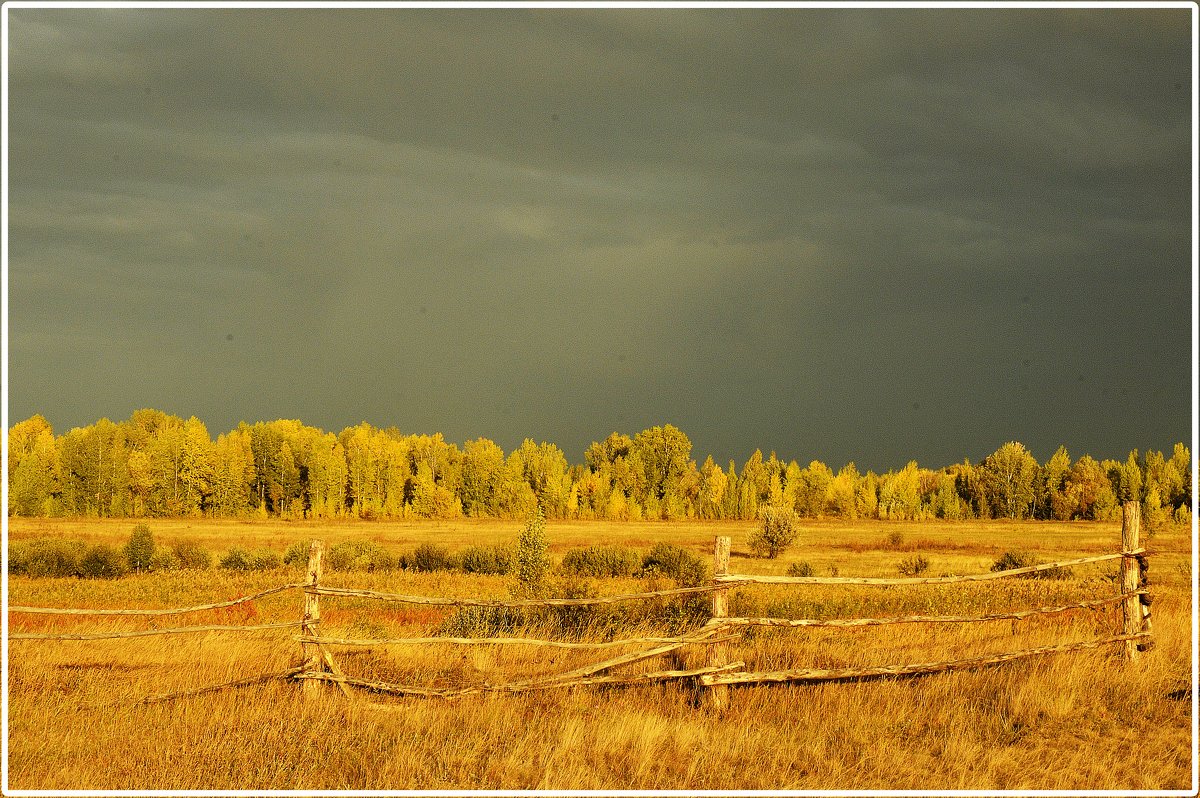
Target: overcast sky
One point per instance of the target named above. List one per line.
(869, 235)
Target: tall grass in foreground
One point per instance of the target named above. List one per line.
(1066, 722)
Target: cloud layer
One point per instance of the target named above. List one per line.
(867, 235)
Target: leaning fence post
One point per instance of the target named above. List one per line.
(312, 615)
(1131, 607)
(718, 653)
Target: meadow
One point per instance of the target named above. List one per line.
(1071, 722)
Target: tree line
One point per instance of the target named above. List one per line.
(157, 464)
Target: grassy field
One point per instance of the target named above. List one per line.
(1070, 722)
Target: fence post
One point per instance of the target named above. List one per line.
(718, 653)
(312, 615)
(1131, 607)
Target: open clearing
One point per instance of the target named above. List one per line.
(1070, 722)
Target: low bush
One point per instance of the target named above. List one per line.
(296, 554)
(482, 622)
(496, 559)
(102, 562)
(360, 555)
(164, 560)
(776, 531)
(191, 556)
(802, 568)
(913, 566)
(601, 561)
(676, 562)
(264, 560)
(1011, 560)
(238, 559)
(45, 557)
(430, 557)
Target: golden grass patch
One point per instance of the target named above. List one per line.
(1069, 722)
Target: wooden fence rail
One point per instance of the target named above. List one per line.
(175, 630)
(920, 580)
(318, 664)
(997, 616)
(839, 674)
(176, 611)
(318, 590)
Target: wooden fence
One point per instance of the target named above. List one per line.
(319, 666)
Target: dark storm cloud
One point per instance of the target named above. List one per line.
(845, 234)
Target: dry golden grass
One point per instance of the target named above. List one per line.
(1069, 722)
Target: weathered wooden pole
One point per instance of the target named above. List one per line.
(718, 653)
(312, 616)
(1131, 607)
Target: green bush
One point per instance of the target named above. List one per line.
(676, 562)
(532, 556)
(430, 557)
(601, 561)
(264, 560)
(102, 562)
(482, 622)
(571, 621)
(139, 551)
(164, 560)
(800, 569)
(191, 556)
(776, 531)
(913, 566)
(45, 557)
(359, 555)
(17, 558)
(297, 554)
(236, 560)
(1012, 560)
(486, 560)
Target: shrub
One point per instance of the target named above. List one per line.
(164, 560)
(430, 557)
(263, 560)
(481, 622)
(895, 538)
(486, 560)
(776, 531)
(46, 557)
(685, 567)
(532, 556)
(1012, 560)
(102, 562)
(236, 560)
(191, 556)
(587, 620)
(18, 556)
(913, 566)
(297, 554)
(601, 561)
(362, 555)
(139, 551)
(800, 569)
